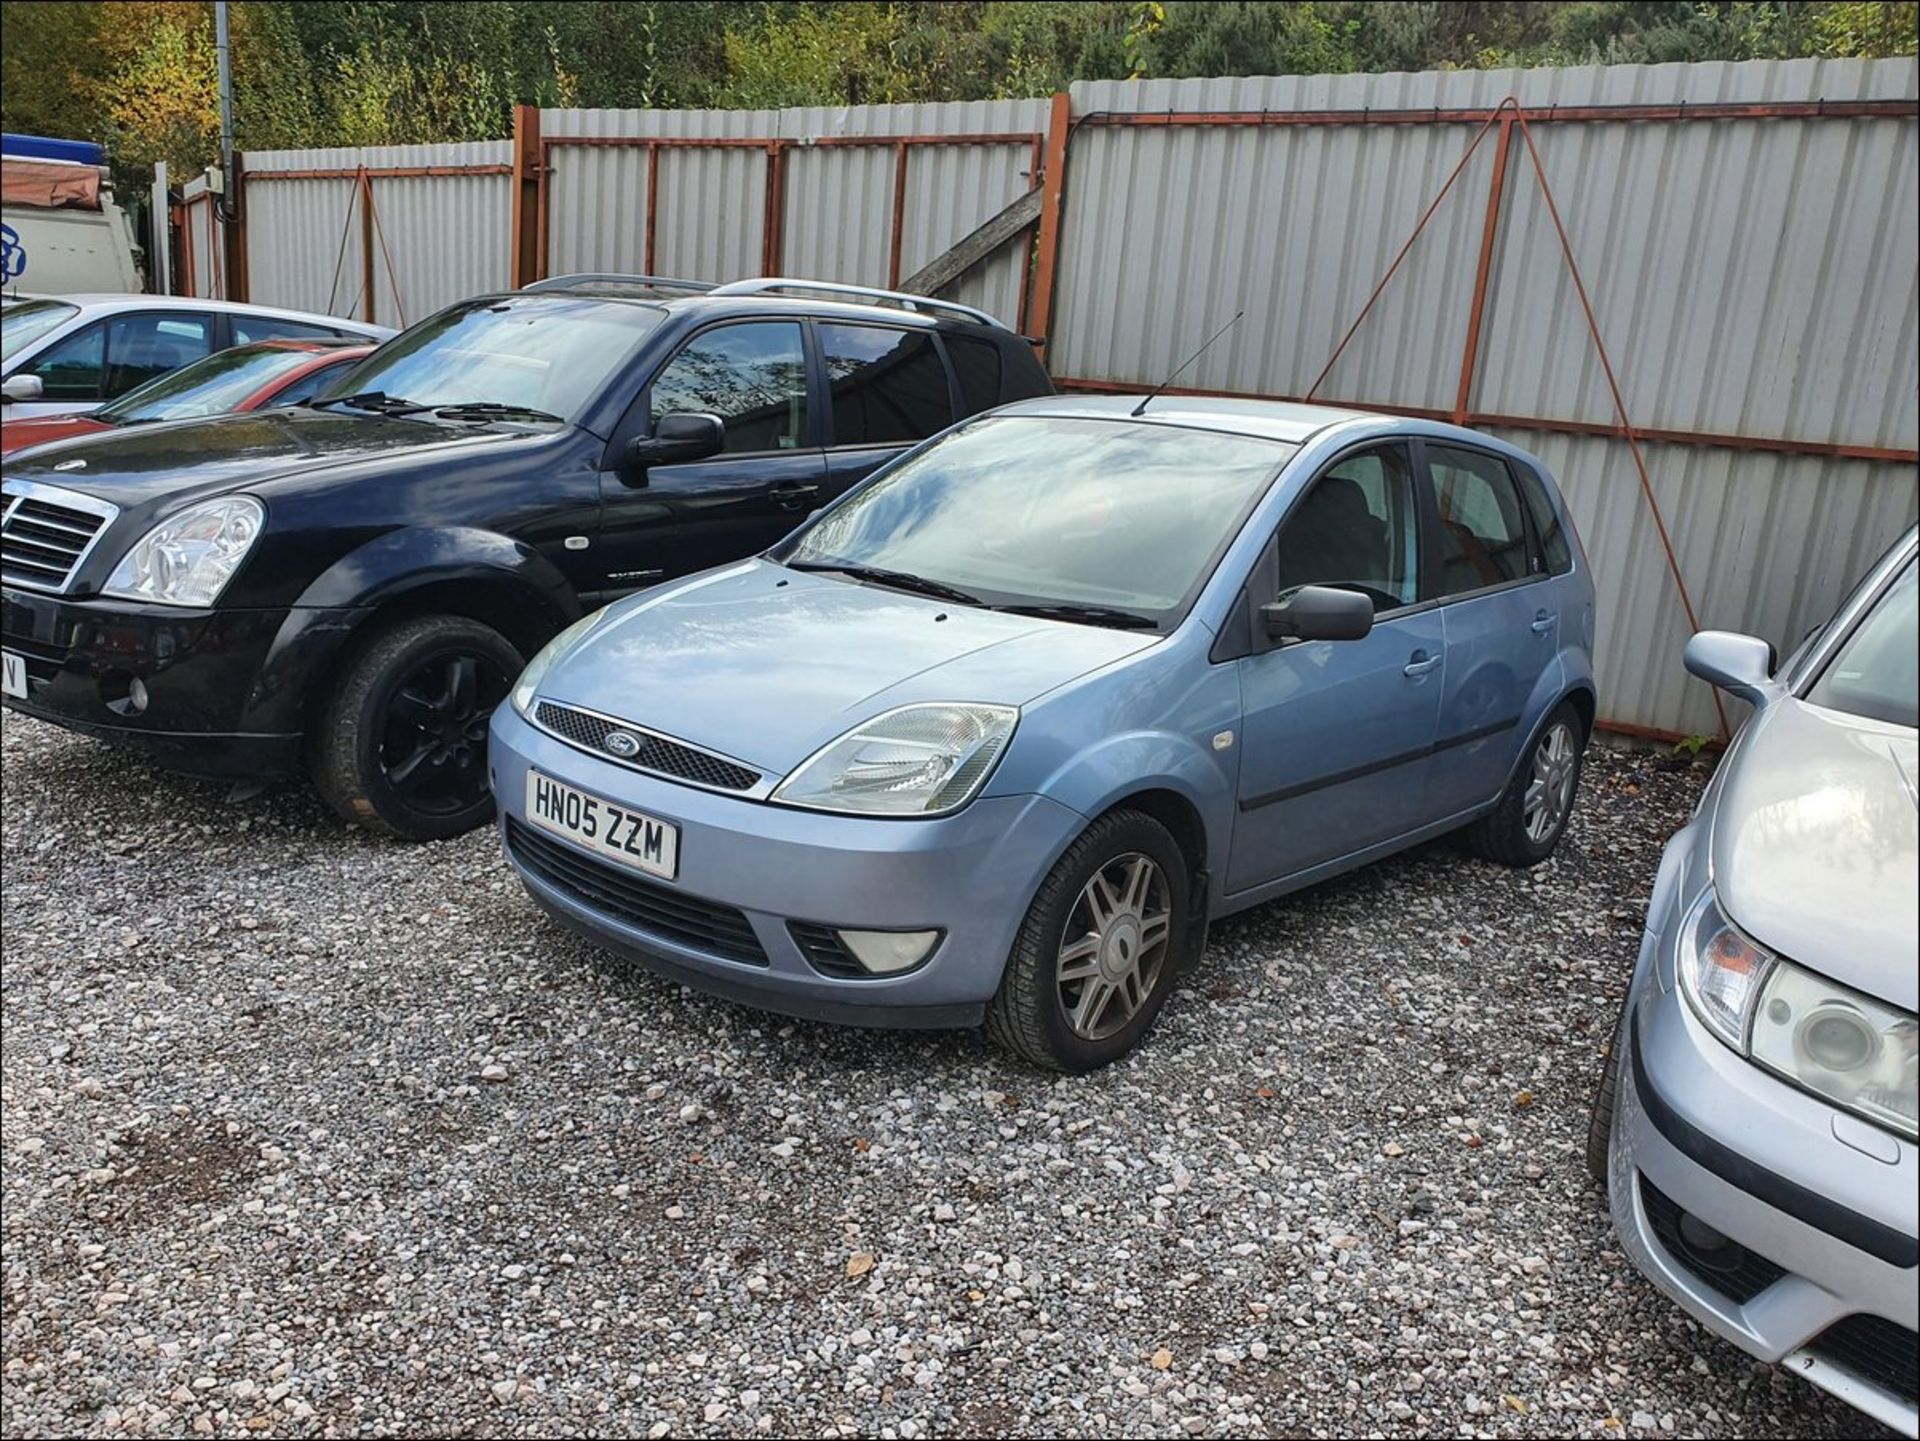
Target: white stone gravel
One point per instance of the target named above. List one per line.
(306, 1133)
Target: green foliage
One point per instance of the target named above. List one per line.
(139, 73)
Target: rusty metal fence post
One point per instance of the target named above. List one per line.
(529, 198)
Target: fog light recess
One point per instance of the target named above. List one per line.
(887, 953)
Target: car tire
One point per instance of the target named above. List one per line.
(402, 745)
(1077, 1001)
(1605, 1095)
(1515, 832)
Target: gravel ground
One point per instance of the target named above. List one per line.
(311, 1134)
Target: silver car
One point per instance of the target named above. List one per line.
(1755, 1124)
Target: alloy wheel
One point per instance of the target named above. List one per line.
(1114, 946)
(434, 749)
(1550, 788)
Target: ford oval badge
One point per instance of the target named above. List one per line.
(624, 744)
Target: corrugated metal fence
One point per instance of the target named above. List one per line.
(1749, 236)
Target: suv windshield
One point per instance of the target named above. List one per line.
(207, 387)
(549, 353)
(1876, 672)
(1032, 511)
(26, 322)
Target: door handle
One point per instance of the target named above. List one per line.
(1420, 664)
(791, 494)
(1543, 622)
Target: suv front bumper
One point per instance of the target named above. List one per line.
(223, 690)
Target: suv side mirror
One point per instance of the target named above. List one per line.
(22, 387)
(1741, 665)
(694, 435)
(1318, 612)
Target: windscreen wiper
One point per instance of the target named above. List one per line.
(898, 579)
(494, 410)
(1087, 615)
(375, 400)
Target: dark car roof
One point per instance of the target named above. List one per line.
(622, 291)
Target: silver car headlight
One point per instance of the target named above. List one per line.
(528, 685)
(188, 558)
(919, 760)
(1858, 1053)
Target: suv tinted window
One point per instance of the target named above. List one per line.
(249, 328)
(976, 365)
(888, 385)
(1355, 529)
(1556, 556)
(1483, 537)
(69, 369)
(753, 376)
(139, 347)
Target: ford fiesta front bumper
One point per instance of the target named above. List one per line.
(1784, 1225)
(760, 888)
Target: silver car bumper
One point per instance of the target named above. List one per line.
(1822, 1277)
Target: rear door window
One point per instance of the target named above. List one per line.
(1483, 534)
(752, 375)
(976, 365)
(888, 385)
(139, 347)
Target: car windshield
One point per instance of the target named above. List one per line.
(1070, 514)
(211, 386)
(26, 322)
(542, 352)
(1876, 672)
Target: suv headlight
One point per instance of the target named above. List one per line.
(529, 682)
(919, 760)
(188, 558)
(1858, 1053)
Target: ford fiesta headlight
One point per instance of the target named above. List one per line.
(188, 558)
(919, 760)
(525, 688)
(1858, 1053)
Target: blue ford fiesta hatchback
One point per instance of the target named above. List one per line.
(993, 737)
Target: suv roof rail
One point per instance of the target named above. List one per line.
(767, 284)
(644, 282)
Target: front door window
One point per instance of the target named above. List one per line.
(1355, 529)
(753, 376)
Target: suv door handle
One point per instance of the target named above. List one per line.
(1420, 664)
(1543, 622)
(792, 494)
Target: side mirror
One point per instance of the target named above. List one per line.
(22, 387)
(1318, 612)
(694, 435)
(1741, 665)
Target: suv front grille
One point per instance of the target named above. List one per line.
(657, 753)
(645, 905)
(1732, 1270)
(1874, 1349)
(45, 532)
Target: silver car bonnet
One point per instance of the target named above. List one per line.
(1816, 845)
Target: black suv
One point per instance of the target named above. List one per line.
(347, 589)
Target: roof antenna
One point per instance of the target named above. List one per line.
(1154, 394)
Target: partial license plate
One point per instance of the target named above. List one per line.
(613, 831)
(13, 674)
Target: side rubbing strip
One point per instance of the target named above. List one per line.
(1287, 793)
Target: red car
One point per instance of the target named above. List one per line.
(247, 377)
